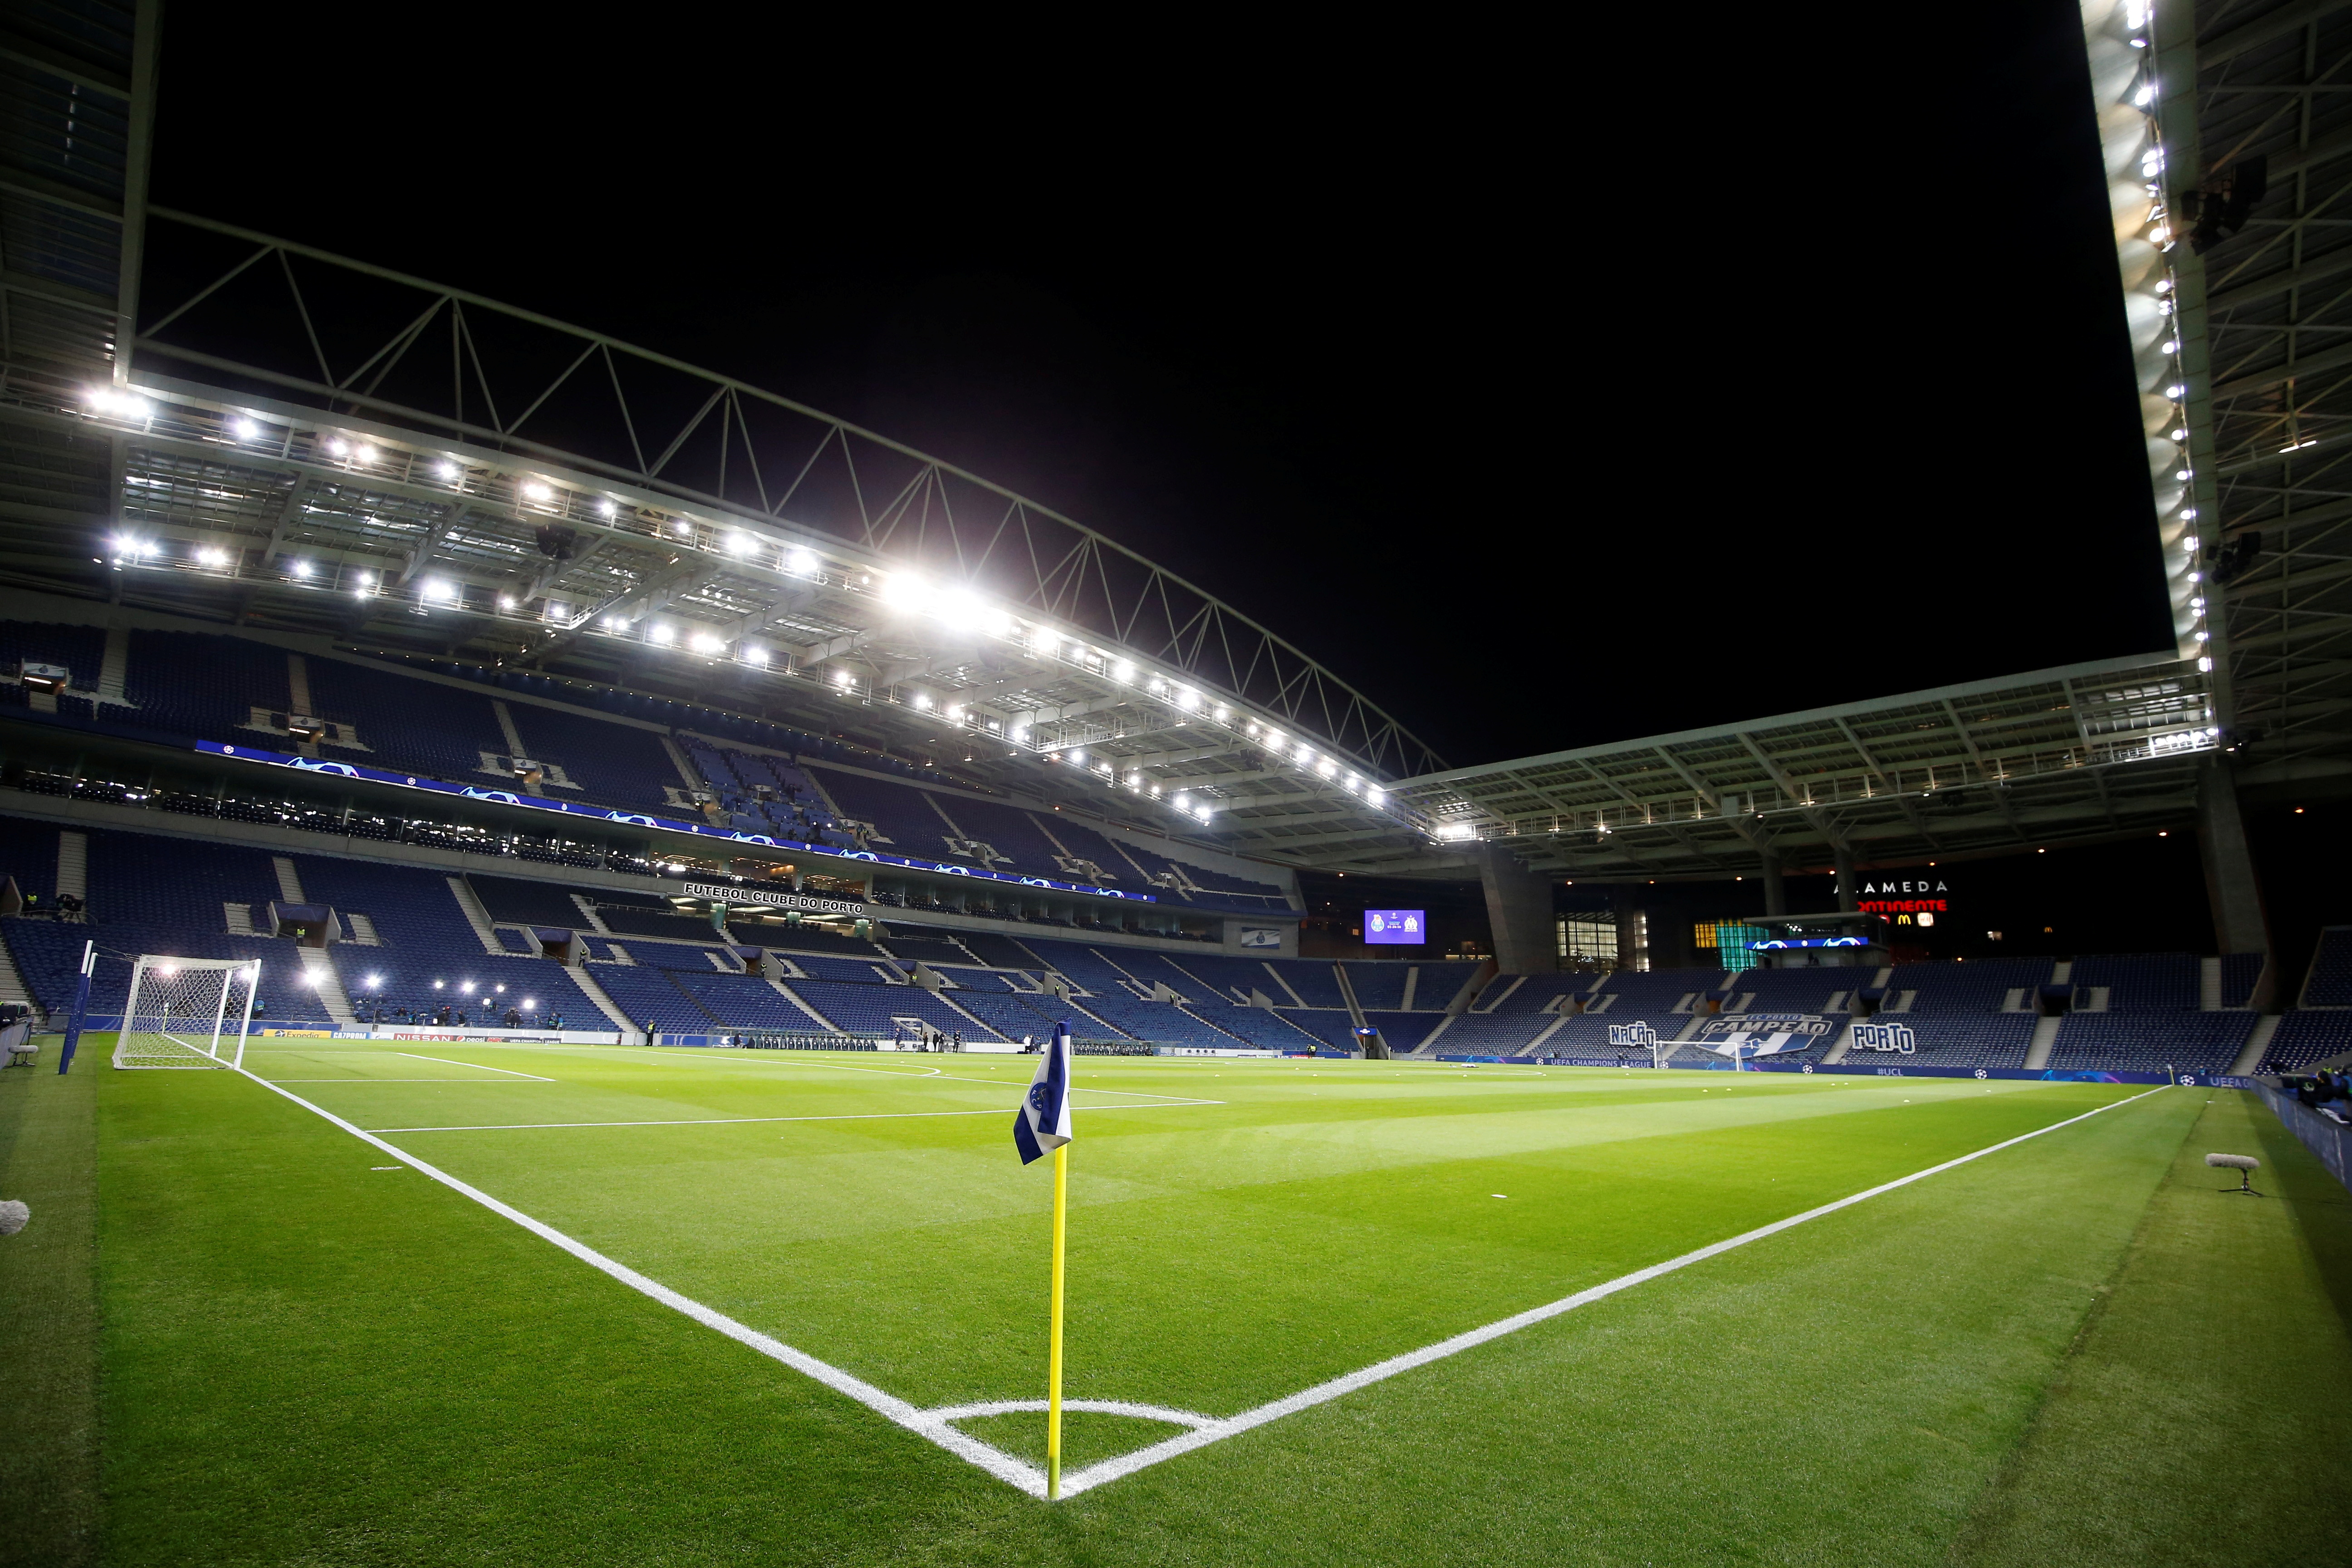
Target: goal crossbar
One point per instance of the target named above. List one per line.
(187, 1012)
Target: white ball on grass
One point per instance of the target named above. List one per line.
(13, 1216)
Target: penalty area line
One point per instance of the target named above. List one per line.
(477, 1067)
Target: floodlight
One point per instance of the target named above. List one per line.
(500, 986)
(434, 588)
(302, 568)
(799, 561)
(364, 455)
(437, 986)
(468, 988)
(535, 489)
(1375, 795)
(531, 1001)
(244, 429)
(1078, 755)
(448, 470)
(337, 445)
(1201, 812)
(758, 656)
(1126, 671)
(705, 643)
(741, 544)
(2205, 666)
(505, 603)
(2176, 392)
(681, 527)
(607, 508)
(374, 981)
(923, 701)
(613, 623)
(662, 635)
(1183, 803)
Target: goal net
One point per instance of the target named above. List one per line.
(187, 1012)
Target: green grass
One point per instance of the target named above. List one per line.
(309, 1360)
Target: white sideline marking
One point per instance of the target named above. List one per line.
(934, 1425)
(379, 1080)
(884, 1072)
(447, 1062)
(1323, 1392)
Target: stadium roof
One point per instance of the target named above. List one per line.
(2086, 752)
(316, 444)
(303, 441)
(2226, 127)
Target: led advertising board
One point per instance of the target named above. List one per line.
(1396, 927)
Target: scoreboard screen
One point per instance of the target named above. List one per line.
(1396, 927)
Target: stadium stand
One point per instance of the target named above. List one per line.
(901, 814)
(614, 764)
(438, 731)
(1400, 1030)
(1959, 1039)
(2240, 972)
(1982, 986)
(1377, 985)
(2142, 983)
(1796, 990)
(81, 649)
(207, 687)
(2330, 984)
(2202, 1042)
(1311, 979)
(528, 903)
(425, 938)
(2307, 1036)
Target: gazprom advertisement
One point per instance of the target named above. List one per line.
(1396, 927)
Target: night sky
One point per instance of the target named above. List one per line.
(1793, 375)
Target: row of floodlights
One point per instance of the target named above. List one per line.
(905, 590)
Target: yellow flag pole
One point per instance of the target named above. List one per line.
(1054, 1350)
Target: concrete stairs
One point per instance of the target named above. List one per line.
(475, 916)
(2256, 1044)
(604, 1005)
(2045, 1035)
(318, 976)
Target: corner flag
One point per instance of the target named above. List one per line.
(1042, 1123)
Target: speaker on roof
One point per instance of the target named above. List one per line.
(2221, 207)
(558, 542)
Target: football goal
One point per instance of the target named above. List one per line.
(187, 1012)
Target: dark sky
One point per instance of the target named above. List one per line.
(1664, 382)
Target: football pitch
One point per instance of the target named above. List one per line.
(432, 1302)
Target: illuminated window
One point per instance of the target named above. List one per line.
(1586, 940)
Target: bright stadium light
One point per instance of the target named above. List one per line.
(681, 528)
(337, 446)
(1375, 795)
(606, 506)
(302, 568)
(531, 1002)
(536, 490)
(1078, 755)
(363, 454)
(448, 470)
(438, 590)
(740, 544)
(244, 429)
(374, 981)
(799, 561)
(923, 702)
(1183, 803)
(706, 643)
(662, 635)
(758, 656)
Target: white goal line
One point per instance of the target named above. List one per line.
(936, 1425)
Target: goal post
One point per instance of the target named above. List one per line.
(187, 1012)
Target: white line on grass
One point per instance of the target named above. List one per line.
(883, 1072)
(447, 1062)
(934, 1424)
(1323, 1392)
(735, 1120)
(1002, 1466)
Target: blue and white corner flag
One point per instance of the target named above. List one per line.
(1042, 1123)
